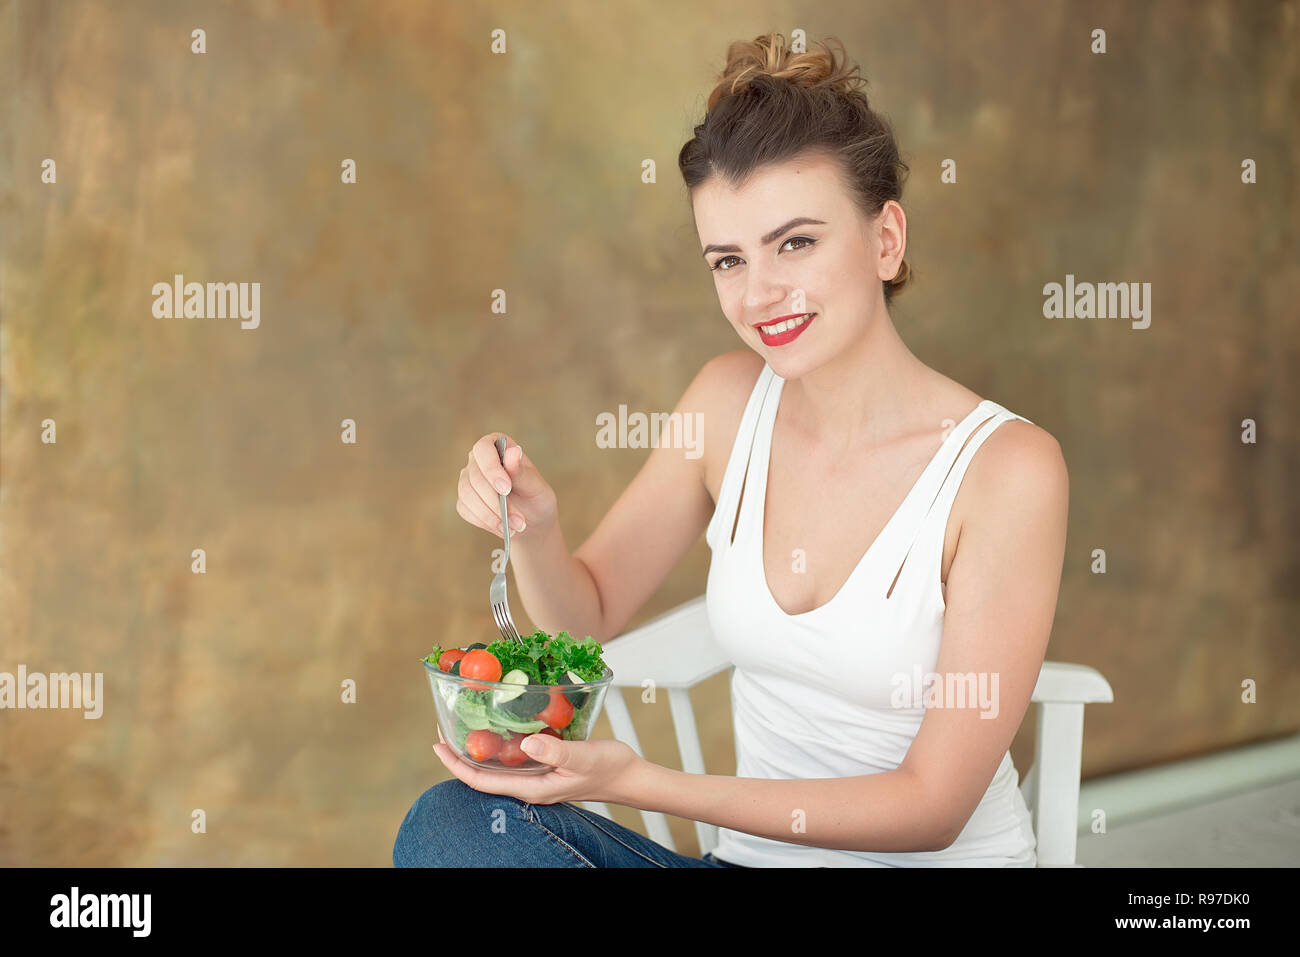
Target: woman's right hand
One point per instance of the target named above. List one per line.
(530, 500)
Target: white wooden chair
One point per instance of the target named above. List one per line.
(677, 651)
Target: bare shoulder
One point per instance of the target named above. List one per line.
(722, 390)
(1016, 461)
(728, 379)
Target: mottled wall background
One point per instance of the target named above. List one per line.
(521, 171)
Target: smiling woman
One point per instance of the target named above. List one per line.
(837, 479)
(770, 105)
(794, 183)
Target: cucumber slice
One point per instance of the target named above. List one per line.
(577, 698)
(477, 644)
(527, 704)
(515, 677)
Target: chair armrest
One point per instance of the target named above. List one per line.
(1077, 684)
(675, 650)
(1051, 787)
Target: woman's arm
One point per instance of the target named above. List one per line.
(666, 507)
(874, 812)
(1000, 602)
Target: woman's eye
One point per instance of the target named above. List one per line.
(718, 267)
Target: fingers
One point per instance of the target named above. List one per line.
(484, 493)
(479, 502)
(452, 762)
(469, 505)
(484, 455)
(492, 502)
(483, 499)
(480, 780)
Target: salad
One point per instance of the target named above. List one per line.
(490, 721)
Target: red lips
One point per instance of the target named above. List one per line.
(781, 338)
(768, 322)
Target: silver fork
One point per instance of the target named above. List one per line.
(497, 592)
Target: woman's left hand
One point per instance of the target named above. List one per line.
(599, 770)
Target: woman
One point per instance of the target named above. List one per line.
(887, 631)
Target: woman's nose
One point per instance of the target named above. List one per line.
(760, 292)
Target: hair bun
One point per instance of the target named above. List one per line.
(769, 56)
(772, 104)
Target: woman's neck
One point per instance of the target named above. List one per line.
(863, 398)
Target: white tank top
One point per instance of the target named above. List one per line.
(811, 693)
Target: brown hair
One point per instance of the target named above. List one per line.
(771, 104)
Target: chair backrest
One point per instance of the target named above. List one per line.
(675, 651)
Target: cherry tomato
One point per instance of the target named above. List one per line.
(449, 658)
(482, 745)
(511, 755)
(558, 713)
(480, 663)
(552, 732)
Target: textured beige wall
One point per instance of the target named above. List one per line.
(328, 561)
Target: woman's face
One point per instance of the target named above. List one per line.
(793, 242)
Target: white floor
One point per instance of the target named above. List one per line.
(1259, 828)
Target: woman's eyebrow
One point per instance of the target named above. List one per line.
(769, 238)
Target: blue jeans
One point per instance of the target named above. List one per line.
(453, 825)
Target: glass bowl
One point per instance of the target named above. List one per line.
(500, 716)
